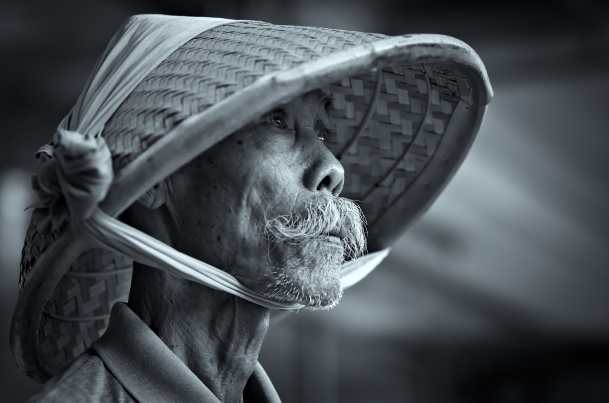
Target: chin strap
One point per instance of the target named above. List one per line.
(107, 232)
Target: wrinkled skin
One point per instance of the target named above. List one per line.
(214, 209)
(267, 169)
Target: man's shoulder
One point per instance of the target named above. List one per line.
(85, 379)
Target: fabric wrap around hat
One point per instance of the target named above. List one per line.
(166, 89)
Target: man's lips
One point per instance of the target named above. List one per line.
(335, 237)
(334, 240)
(339, 232)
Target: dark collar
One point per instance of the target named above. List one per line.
(151, 372)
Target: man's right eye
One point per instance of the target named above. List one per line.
(278, 121)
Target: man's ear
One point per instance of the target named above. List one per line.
(156, 196)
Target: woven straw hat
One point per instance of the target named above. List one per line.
(406, 111)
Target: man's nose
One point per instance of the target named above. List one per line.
(326, 173)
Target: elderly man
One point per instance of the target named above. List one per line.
(268, 196)
(249, 221)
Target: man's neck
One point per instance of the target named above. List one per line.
(217, 335)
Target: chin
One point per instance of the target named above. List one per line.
(307, 274)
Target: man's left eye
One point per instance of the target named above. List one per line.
(326, 134)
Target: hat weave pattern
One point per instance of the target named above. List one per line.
(389, 123)
(207, 69)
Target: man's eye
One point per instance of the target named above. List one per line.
(326, 135)
(277, 119)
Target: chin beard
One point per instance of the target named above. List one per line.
(311, 276)
(306, 260)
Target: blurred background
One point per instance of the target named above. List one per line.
(500, 293)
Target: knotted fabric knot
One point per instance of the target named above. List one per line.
(73, 175)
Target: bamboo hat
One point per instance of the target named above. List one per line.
(407, 109)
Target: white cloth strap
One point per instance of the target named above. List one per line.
(139, 46)
(107, 232)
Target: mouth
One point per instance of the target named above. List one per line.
(334, 241)
(338, 233)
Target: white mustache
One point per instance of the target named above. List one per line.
(320, 217)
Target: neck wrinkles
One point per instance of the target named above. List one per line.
(217, 335)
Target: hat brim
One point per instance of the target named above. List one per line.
(200, 132)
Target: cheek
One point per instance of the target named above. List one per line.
(265, 196)
(225, 206)
(206, 204)
(226, 201)
(259, 198)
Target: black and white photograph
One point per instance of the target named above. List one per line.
(304, 201)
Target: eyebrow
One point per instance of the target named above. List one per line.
(327, 100)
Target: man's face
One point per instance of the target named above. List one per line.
(262, 205)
